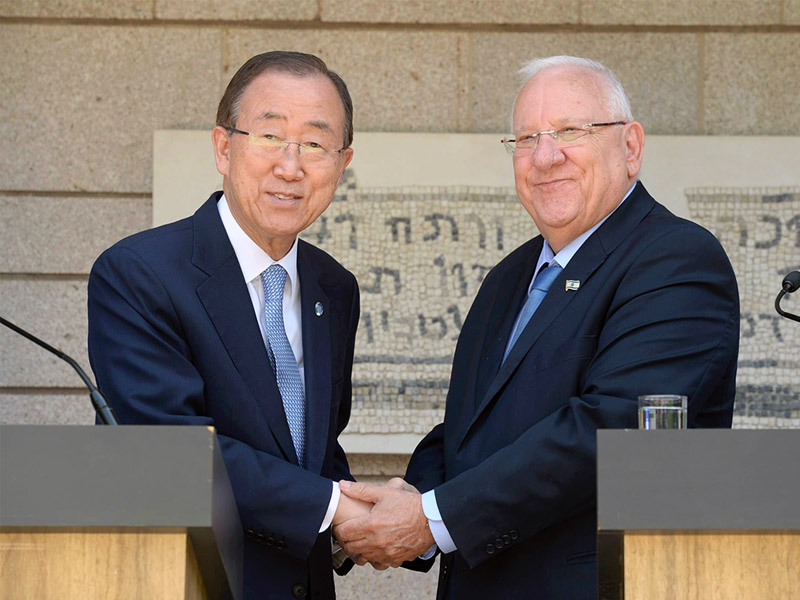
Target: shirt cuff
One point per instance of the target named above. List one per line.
(430, 553)
(439, 530)
(332, 506)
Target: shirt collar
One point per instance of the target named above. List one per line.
(567, 252)
(252, 259)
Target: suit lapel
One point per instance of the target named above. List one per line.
(507, 303)
(581, 267)
(500, 314)
(316, 359)
(226, 300)
(587, 260)
(555, 302)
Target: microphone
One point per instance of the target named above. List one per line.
(101, 407)
(790, 284)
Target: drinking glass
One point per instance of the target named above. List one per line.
(662, 411)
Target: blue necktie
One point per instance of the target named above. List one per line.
(283, 360)
(541, 283)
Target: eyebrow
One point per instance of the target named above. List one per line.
(317, 124)
(323, 125)
(269, 116)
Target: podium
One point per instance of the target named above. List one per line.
(90, 512)
(698, 514)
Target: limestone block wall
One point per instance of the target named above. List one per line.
(84, 83)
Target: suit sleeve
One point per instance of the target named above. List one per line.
(144, 364)
(426, 468)
(341, 468)
(679, 333)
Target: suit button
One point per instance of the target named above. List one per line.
(498, 543)
(299, 590)
(259, 537)
(249, 532)
(270, 541)
(506, 539)
(490, 548)
(280, 544)
(514, 534)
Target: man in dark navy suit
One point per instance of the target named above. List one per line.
(227, 319)
(617, 297)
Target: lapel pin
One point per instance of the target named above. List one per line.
(318, 310)
(572, 285)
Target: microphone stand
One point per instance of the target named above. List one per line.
(101, 407)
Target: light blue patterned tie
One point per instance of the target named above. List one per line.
(283, 360)
(541, 283)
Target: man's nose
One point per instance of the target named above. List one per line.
(547, 153)
(288, 164)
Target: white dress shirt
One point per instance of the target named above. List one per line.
(441, 535)
(253, 261)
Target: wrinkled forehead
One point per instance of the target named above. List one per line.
(560, 95)
(274, 94)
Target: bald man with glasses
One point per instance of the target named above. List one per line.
(617, 297)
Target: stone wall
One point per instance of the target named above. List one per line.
(86, 82)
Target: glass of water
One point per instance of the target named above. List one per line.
(662, 411)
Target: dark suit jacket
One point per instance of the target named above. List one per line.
(514, 462)
(173, 339)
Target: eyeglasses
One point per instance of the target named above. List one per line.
(274, 145)
(526, 144)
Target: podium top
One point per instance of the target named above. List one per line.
(131, 476)
(698, 479)
(148, 476)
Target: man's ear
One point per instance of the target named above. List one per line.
(634, 148)
(221, 140)
(347, 155)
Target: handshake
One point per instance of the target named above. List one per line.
(383, 525)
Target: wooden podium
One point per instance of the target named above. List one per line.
(698, 514)
(116, 513)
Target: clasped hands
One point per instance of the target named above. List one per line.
(381, 525)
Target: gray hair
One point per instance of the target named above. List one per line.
(616, 98)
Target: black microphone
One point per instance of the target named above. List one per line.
(101, 407)
(790, 284)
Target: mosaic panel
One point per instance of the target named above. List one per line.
(760, 230)
(420, 255)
